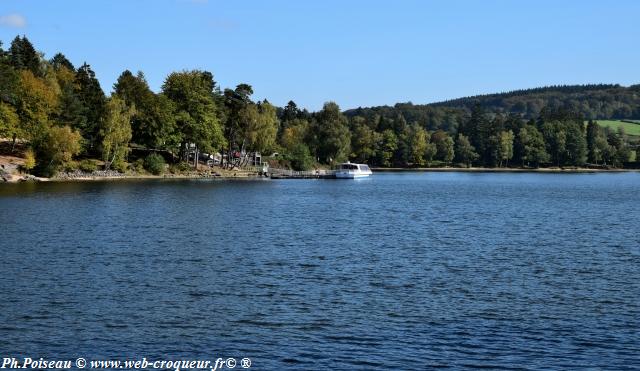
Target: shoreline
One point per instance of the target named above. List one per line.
(500, 170)
(23, 178)
(27, 178)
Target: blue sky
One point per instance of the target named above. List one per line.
(356, 53)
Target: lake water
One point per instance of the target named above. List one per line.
(399, 271)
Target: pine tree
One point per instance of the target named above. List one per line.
(593, 131)
(92, 103)
(59, 60)
(23, 55)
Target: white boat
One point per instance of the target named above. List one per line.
(348, 170)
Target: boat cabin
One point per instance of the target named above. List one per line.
(355, 167)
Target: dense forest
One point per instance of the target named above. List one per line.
(592, 101)
(66, 121)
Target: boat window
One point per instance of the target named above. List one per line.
(364, 167)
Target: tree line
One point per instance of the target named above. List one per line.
(62, 112)
(63, 115)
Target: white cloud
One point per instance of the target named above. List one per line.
(13, 20)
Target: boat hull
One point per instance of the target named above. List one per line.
(351, 175)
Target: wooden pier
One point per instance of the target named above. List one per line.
(290, 174)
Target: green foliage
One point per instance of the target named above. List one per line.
(419, 142)
(39, 98)
(331, 135)
(180, 167)
(120, 166)
(37, 101)
(301, 158)
(555, 137)
(90, 107)
(533, 146)
(363, 140)
(576, 144)
(261, 135)
(138, 165)
(153, 124)
(9, 81)
(192, 94)
(9, 122)
(154, 163)
(29, 160)
(590, 101)
(88, 165)
(116, 131)
(445, 151)
(593, 131)
(387, 147)
(60, 61)
(23, 55)
(506, 146)
(629, 127)
(465, 151)
(294, 134)
(57, 148)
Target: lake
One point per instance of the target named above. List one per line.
(399, 271)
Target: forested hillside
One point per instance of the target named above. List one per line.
(64, 119)
(593, 102)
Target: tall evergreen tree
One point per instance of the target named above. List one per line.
(576, 144)
(593, 131)
(59, 60)
(92, 105)
(23, 55)
(9, 80)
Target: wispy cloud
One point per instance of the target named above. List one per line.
(222, 24)
(13, 20)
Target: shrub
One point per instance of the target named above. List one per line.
(138, 166)
(29, 160)
(154, 163)
(88, 166)
(56, 149)
(69, 166)
(301, 158)
(180, 168)
(120, 166)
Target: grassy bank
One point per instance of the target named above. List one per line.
(630, 127)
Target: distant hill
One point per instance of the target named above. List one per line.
(598, 101)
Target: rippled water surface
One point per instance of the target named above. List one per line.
(399, 271)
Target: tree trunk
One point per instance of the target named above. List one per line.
(195, 158)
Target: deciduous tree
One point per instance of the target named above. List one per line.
(332, 137)
(506, 147)
(465, 151)
(116, 131)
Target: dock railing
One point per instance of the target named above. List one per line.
(274, 172)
